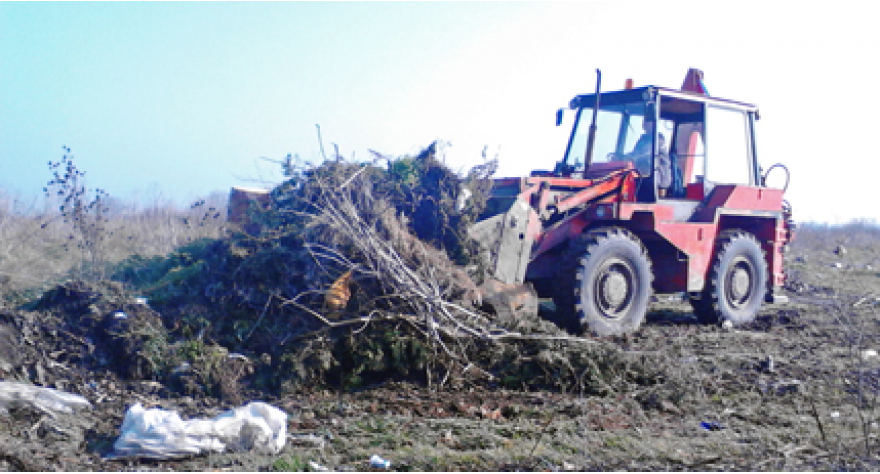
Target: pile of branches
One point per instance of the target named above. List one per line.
(400, 233)
(358, 224)
(411, 279)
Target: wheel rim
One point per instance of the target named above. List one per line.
(739, 282)
(614, 288)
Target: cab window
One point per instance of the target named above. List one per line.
(728, 146)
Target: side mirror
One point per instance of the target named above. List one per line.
(559, 115)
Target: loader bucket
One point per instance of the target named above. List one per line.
(506, 241)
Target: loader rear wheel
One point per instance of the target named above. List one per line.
(608, 279)
(737, 281)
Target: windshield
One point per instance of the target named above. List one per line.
(622, 134)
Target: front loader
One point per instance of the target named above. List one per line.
(659, 191)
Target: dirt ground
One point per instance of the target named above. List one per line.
(795, 390)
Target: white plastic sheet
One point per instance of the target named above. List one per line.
(46, 399)
(161, 434)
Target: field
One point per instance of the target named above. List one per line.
(795, 390)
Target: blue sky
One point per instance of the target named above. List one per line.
(184, 98)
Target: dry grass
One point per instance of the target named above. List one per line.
(39, 249)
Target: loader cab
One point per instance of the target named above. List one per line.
(713, 143)
(681, 144)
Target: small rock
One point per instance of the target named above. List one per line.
(779, 387)
(669, 407)
(307, 441)
(782, 387)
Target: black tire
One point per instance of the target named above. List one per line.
(737, 281)
(605, 283)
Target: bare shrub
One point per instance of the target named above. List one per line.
(84, 211)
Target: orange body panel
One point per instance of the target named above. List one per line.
(682, 249)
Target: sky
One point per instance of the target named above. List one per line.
(178, 100)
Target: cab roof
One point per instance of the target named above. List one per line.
(670, 97)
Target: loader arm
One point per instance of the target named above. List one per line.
(530, 208)
(602, 187)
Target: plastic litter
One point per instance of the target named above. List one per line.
(120, 315)
(377, 462)
(45, 399)
(711, 426)
(315, 467)
(161, 434)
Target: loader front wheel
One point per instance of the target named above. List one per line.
(737, 281)
(610, 283)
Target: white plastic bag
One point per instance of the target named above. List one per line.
(161, 434)
(46, 399)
